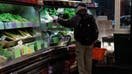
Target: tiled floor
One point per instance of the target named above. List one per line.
(109, 69)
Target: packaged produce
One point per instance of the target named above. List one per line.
(2, 59)
(38, 45)
(17, 52)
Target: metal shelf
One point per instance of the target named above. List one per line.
(15, 25)
(29, 62)
(60, 3)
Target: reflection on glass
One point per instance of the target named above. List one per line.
(125, 17)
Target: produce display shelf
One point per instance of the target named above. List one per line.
(23, 2)
(11, 66)
(61, 3)
(33, 61)
(9, 44)
(14, 25)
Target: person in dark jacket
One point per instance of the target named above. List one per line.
(83, 47)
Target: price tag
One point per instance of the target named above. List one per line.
(18, 24)
(17, 53)
(31, 48)
(12, 24)
(25, 24)
(38, 45)
(56, 39)
(8, 25)
(1, 25)
(30, 24)
(25, 49)
(22, 24)
(46, 44)
(28, 50)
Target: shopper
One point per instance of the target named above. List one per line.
(85, 34)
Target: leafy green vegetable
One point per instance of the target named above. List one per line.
(5, 53)
(70, 12)
(11, 17)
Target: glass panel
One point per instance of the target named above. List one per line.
(19, 31)
(125, 17)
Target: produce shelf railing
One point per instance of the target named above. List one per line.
(14, 25)
(27, 63)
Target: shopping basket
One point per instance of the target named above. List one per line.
(98, 53)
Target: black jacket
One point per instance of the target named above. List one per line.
(75, 20)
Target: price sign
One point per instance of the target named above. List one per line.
(1, 25)
(17, 53)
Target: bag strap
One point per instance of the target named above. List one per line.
(84, 17)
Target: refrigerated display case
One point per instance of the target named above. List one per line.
(20, 36)
(19, 30)
(24, 43)
(55, 35)
(22, 49)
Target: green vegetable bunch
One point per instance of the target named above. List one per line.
(70, 12)
(11, 17)
(5, 53)
(53, 12)
(50, 11)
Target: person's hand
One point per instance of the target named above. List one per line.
(61, 17)
(55, 18)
